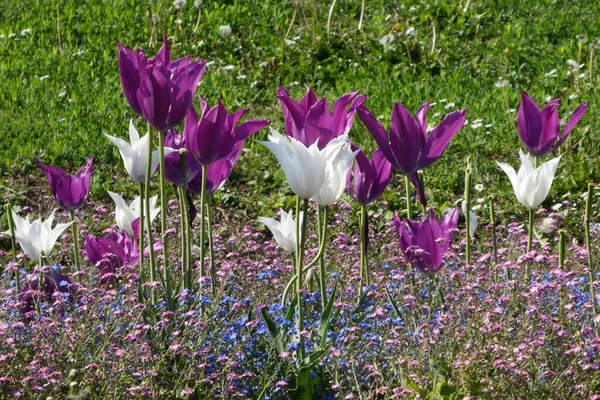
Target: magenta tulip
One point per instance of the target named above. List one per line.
(540, 130)
(366, 182)
(217, 173)
(173, 170)
(70, 191)
(310, 120)
(215, 134)
(158, 89)
(408, 147)
(425, 243)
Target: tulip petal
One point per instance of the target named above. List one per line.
(378, 132)
(577, 115)
(529, 122)
(440, 137)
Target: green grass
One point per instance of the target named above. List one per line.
(63, 118)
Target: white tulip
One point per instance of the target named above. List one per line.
(304, 167)
(473, 224)
(135, 154)
(335, 174)
(531, 185)
(37, 238)
(125, 215)
(284, 231)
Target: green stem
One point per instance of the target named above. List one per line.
(530, 230)
(322, 231)
(75, 234)
(408, 197)
(13, 244)
(588, 244)
(182, 224)
(364, 261)
(211, 250)
(141, 232)
(468, 212)
(300, 239)
(561, 248)
(163, 221)
(202, 217)
(431, 292)
(148, 220)
(493, 223)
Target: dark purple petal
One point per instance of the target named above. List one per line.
(154, 96)
(440, 137)
(318, 126)
(342, 117)
(404, 139)
(577, 115)
(130, 75)
(295, 119)
(309, 99)
(418, 184)
(378, 132)
(184, 87)
(529, 121)
(448, 224)
(249, 128)
(550, 128)
(421, 117)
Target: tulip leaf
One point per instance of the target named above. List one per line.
(326, 317)
(273, 330)
(393, 303)
(292, 309)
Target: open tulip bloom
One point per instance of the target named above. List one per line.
(425, 243)
(37, 238)
(70, 191)
(310, 120)
(158, 89)
(540, 130)
(304, 167)
(408, 147)
(135, 154)
(366, 182)
(284, 232)
(125, 215)
(531, 185)
(213, 135)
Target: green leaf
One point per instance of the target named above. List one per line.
(393, 303)
(273, 330)
(292, 309)
(326, 317)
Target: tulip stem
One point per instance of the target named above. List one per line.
(163, 221)
(141, 232)
(211, 250)
(148, 217)
(588, 243)
(408, 197)
(75, 234)
(468, 212)
(202, 217)
(561, 248)
(530, 229)
(300, 239)
(13, 244)
(322, 231)
(182, 227)
(364, 261)
(493, 224)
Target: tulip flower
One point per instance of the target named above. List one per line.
(173, 168)
(425, 243)
(217, 173)
(366, 182)
(215, 134)
(335, 176)
(531, 185)
(310, 120)
(54, 282)
(540, 130)
(158, 89)
(69, 190)
(37, 238)
(304, 167)
(135, 154)
(408, 147)
(284, 231)
(125, 215)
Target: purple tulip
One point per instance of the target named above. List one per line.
(215, 135)
(216, 173)
(54, 282)
(408, 147)
(310, 120)
(424, 243)
(367, 180)
(540, 130)
(70, 191)
(115, 251)
(158, 90)
(173, 170)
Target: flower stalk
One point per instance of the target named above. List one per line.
(364, 261)
(211, 250)
(163, 220)
(322, 214)
(13, 244)
(141, 233)
(300, 239)
(408, 197)
(468, 174)
(202, 220)
(75, 234)
(148, 214)
(588, 244)
(561, 248)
